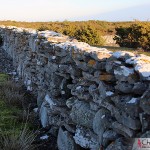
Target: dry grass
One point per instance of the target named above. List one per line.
(11, 94)
(22, 140)
(15, 127)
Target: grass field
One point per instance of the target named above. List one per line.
(16, 132)
(9, 115)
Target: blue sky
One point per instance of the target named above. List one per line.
(60, 10)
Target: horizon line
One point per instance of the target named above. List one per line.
(67, 20)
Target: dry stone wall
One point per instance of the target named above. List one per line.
(93, 97)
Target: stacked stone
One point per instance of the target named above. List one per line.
(93, 97)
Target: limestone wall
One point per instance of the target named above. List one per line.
(92, 96)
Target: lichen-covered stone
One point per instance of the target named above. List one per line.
(86, 139)
(81, 114)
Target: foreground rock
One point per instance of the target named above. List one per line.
(91, 97)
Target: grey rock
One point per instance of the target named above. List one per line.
(123, 72)
(65, 91)
(103, 89)
(128, 104)
(70, 102)
(61, 53)
(101, 55)
(94, 106)
(124, 87)
(146, 134)
(110, 135)
(145, 121)
(121, 129)
(81, 65)
(74, 71)
(86, 138)
(88, 76)
(44, 115)
(145, 101)
(82, 115)
(122, 117)
(101, 122)
(93, 90)
(123, 55)
(40, 98)
(111, 65)
(65, 140)
(100, 66)
(139, 88)
(81, 92)
(121, 144)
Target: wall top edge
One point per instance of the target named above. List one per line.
(140, 62)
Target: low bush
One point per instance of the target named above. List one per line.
(89, 35)
(135, 36)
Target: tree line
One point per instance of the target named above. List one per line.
(131, 34)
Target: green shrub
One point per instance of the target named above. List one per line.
(89, 35)
(137, 35)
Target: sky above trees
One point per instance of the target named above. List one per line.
(60, 10)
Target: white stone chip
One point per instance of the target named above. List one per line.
(53, 57)
(133, 100)
(109, 93)
(29, 88)
(45, 137)
(78, 88)
(35, 110)
(103, 116)
(62, 92)
(49, 100)
(28, 82)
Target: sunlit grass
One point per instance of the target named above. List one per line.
(133, 50)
